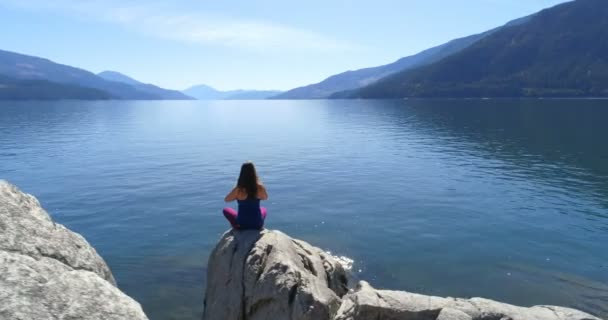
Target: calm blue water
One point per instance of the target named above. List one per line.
(501, 199)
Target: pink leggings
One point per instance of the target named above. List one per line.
(231, 215)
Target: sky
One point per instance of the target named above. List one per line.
(242, 44)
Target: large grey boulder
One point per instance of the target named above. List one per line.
(27, 229)
(268, 275)
(50, 272)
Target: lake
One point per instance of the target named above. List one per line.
(504, 199)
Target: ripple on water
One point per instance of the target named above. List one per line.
(344, 261)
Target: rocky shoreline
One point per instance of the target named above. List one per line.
(50, 272)
(268, 275)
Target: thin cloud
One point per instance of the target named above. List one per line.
(209, 30)
(195, 28)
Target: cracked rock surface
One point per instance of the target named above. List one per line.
(50, 272)
(368, 303)
(268, 275)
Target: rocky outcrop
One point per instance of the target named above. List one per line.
(268, 275)
(368, 303)
(50, 272)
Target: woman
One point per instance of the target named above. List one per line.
(248, 193)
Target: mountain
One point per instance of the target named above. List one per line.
(16, 89)
(118, 77)
(251, 94)
(559, 52)
(24, 67)
(350, 80)
(143, 87)
(204, 92)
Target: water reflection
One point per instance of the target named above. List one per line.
(501, 199)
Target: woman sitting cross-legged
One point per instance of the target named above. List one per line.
(248, 193)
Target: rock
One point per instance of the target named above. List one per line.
(453, 314)
(28, 229)
(268, 275)
(368, 303)
(50, 272)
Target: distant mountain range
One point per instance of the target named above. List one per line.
(559, 52)
(38, 77)
(350, 80)
(205, 92)
(24, 77)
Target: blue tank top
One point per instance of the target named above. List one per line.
(250, 215)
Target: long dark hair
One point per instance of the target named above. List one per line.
(248, 179)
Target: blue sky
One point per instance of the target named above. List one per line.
(263, 44)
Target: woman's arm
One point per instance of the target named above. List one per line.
(262, 194)
(232, 195)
